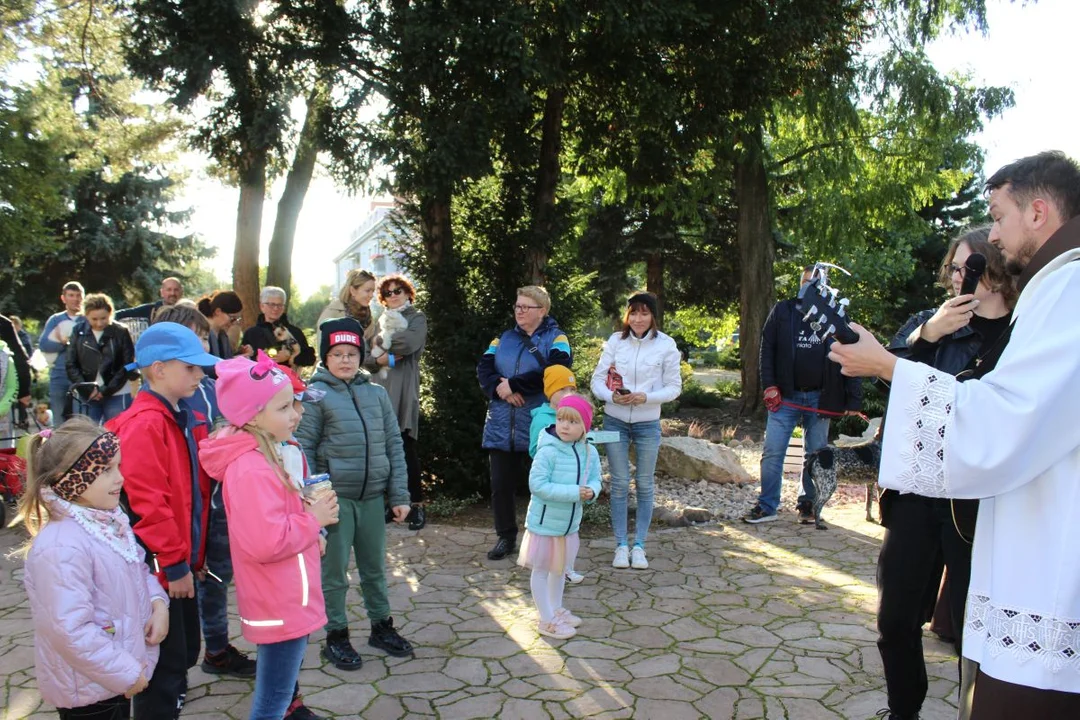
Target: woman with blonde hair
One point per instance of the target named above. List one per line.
(354, 299)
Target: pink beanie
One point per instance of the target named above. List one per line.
(245, 387)
(580, 404)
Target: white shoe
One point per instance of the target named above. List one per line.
(564, 616)
(573, 577)
(637, 558)
(622, 558)
(556, 630)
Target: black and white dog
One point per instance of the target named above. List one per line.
(850, 465)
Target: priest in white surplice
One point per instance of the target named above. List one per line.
(1011, 439)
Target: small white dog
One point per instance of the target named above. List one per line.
(390, 322)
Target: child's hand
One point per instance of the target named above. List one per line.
(400, 511)
(586, 493)
(322, 546)
(182, 588)
(138, 687)
(325, 509)
(157, 627)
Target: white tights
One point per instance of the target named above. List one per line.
(547, 591)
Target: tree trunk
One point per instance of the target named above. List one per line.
(654, 281)
(248, 233)
(279, 272)
(545, 218)
(757, 253)
(436, 229)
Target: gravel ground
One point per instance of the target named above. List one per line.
(730, 501)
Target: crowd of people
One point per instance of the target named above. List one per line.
(225, 467)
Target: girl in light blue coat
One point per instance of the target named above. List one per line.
(565, 475)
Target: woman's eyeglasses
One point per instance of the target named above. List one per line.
(953, 268)
(235, 318)
(525, 308)
(395, 291)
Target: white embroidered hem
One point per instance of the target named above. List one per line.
(1024, 635)
(929, 415)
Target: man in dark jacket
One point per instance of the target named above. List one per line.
(799, 381)
(275, 335)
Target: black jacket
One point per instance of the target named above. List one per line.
(18, 354)
(777, 363)
(951, 354)
(141, 312)
(87, 356)
(260, 336)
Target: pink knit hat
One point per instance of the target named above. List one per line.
(245, 387)
(580, 404)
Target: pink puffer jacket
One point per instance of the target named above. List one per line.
(89, 606)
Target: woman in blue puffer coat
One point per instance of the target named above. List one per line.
(511, 374)
(565, 475)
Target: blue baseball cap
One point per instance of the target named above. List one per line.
(166, 341)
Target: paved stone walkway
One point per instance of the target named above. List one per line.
(770, 621)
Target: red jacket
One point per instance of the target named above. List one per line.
(273, 539)
(156, 464)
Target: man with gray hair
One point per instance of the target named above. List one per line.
(273, 333)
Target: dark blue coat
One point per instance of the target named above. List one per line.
(521, 359)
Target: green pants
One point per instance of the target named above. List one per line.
(361, 527)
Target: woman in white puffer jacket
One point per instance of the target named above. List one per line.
(637, 372)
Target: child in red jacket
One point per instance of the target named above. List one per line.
(166, 496)
(274, 533)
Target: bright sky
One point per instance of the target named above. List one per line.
(1028, 49)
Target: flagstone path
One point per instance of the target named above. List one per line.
(744, 622)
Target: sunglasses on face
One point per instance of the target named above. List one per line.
(395, 291)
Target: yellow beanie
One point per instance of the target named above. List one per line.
(556, 378)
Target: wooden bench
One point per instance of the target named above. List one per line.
(793, 458)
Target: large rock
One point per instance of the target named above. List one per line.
(698, 459)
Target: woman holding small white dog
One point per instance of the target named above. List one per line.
(394, 363)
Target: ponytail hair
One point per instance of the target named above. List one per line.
(49, 456)
(226, 301)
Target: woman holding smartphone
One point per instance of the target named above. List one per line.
(638, 371)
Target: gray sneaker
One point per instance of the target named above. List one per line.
(757, 515)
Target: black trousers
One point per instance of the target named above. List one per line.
(117, 708)
(509, 472)
(918, 529)
(164, 697)
(412, 466)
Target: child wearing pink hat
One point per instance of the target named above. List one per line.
(565, 475)
(274, 534)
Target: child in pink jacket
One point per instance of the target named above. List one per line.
(274, 534)
(98, 613)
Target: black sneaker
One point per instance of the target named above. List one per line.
(806, 512)
(758, 515)
(503, 547)
(385, 637)
(299, 711)
(887, 714)
(229, 661)
(416, 517)
(339, 651)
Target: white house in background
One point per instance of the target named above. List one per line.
(373, 246)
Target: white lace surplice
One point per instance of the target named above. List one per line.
(1012, 439)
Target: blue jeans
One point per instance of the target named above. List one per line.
(213, 593)
(646, 439)
(58, 391)
(276, 672)
(778, 430)
(101, 411)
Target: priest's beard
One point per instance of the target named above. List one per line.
(1015, 264)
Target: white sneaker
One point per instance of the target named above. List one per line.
(564, 616)
(622, 558)
(574, 577)
(637, 558)
(556, 630)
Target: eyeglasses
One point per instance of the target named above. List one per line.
(275, 306)
(235, 317)
(395, 291)
(526, 308)
(344, 357)
(953, 268)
